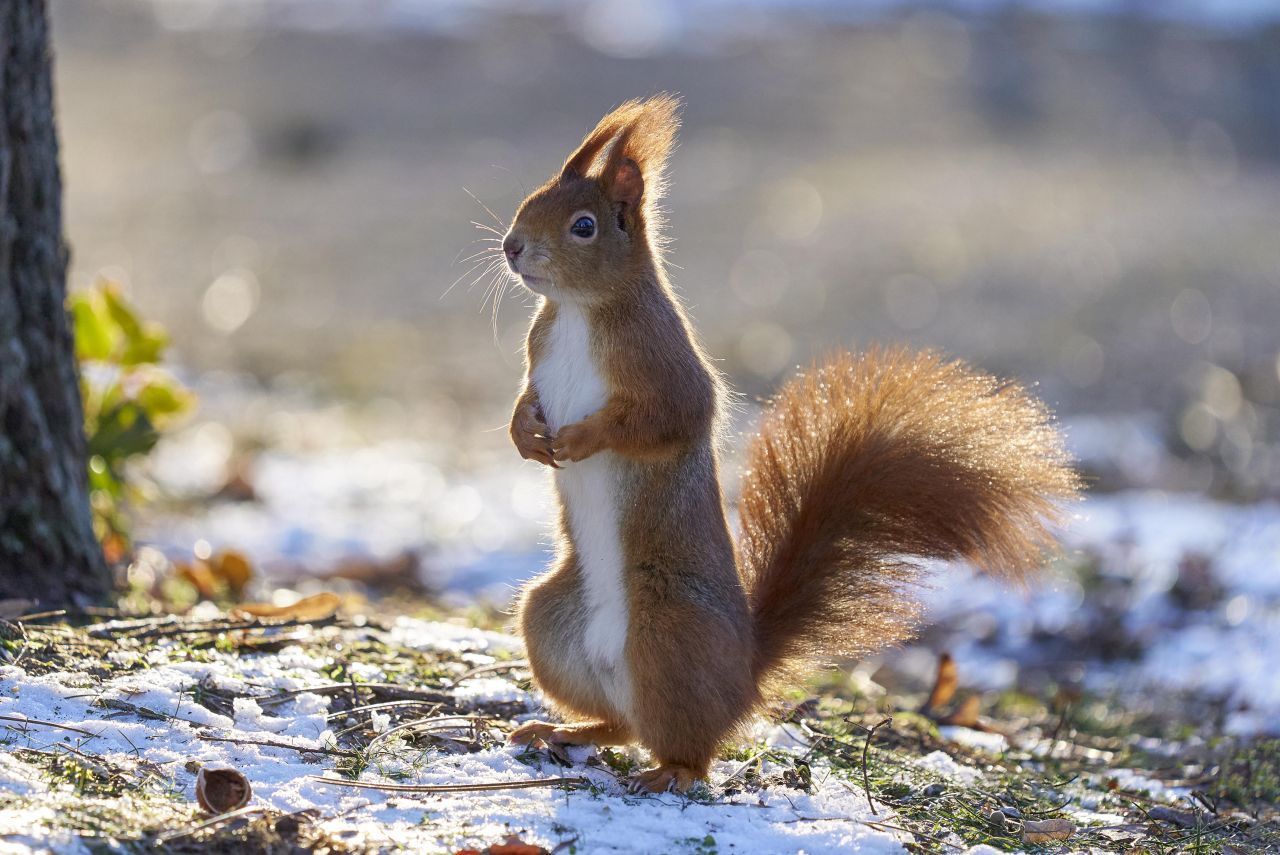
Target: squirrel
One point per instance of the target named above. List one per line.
(652, 625)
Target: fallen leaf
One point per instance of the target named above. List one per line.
(222, 790)
(515, 846)
(944, 685)
(966, 715)
(233, 568)
(1047, 830)
(201, 576)
(315, 607)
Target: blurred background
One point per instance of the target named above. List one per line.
(1081, 194)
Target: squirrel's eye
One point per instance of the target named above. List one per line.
(583, 227)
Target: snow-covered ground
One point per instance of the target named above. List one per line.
(1160, 591)
(180, 737)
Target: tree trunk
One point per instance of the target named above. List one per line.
(47, 548)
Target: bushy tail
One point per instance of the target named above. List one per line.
(868, 464)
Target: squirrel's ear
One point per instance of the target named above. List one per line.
(580, 162)
(633, 175)
(622, 177)
(650, 129)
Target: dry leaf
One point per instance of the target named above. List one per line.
(233, 568)
(944, 685)
(315, 607)
(200, 575)
(966, 715)
(1047, 830)
(222, 790)
(515, 846)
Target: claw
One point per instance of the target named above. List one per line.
(526, 733)
(669, 777)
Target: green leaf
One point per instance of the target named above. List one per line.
(162, 398)
(144, 342)
(96, 333)
(122, 432)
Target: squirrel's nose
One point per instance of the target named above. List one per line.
(512, 246)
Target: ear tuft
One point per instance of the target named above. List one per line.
(643, 132)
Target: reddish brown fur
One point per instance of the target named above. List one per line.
(866, 464)
(860, 466)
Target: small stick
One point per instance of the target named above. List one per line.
(329, 688)
(216, 628)
(443, 720)
(382, 706)
(22, 720)
(882, 826)
(450, 788)
(335, 752)
(866, 780)
(210, 823)
(40, 615)
(496, 666)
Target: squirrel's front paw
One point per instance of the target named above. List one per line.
(531, 436)
(577, 441)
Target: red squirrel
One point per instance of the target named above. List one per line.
(651, 626)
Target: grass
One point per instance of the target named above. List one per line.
(1060, 761)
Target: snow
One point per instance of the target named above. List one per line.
(480, 533)
(941, 764)
(992, 743)
(602, 816)
(1140, 537)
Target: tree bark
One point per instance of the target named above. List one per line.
(47, 547)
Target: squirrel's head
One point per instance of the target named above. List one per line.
(585, 232)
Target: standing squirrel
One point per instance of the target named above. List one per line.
(650, 626)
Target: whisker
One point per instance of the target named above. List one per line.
(490, 270)
(481, 252)
(523, 189)
(499, 293)
(469, 271)
(487, 228)
(496, 218)
(488, 250)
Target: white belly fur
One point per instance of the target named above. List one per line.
(570, 388)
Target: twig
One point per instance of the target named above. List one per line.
(485, 669)
(884, 826)
(21, 720)
(866, 746)
(742, 768)
(221, 627)
(388, 688)
(380, 706)
(450, 788)
(40, 615)
(210, 823)
(335, 752)
(445, 721)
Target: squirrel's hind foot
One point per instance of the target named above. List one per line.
(667, 777)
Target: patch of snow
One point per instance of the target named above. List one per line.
(1134, 781)
(992, 743)
(603, 816)
(942, 764)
